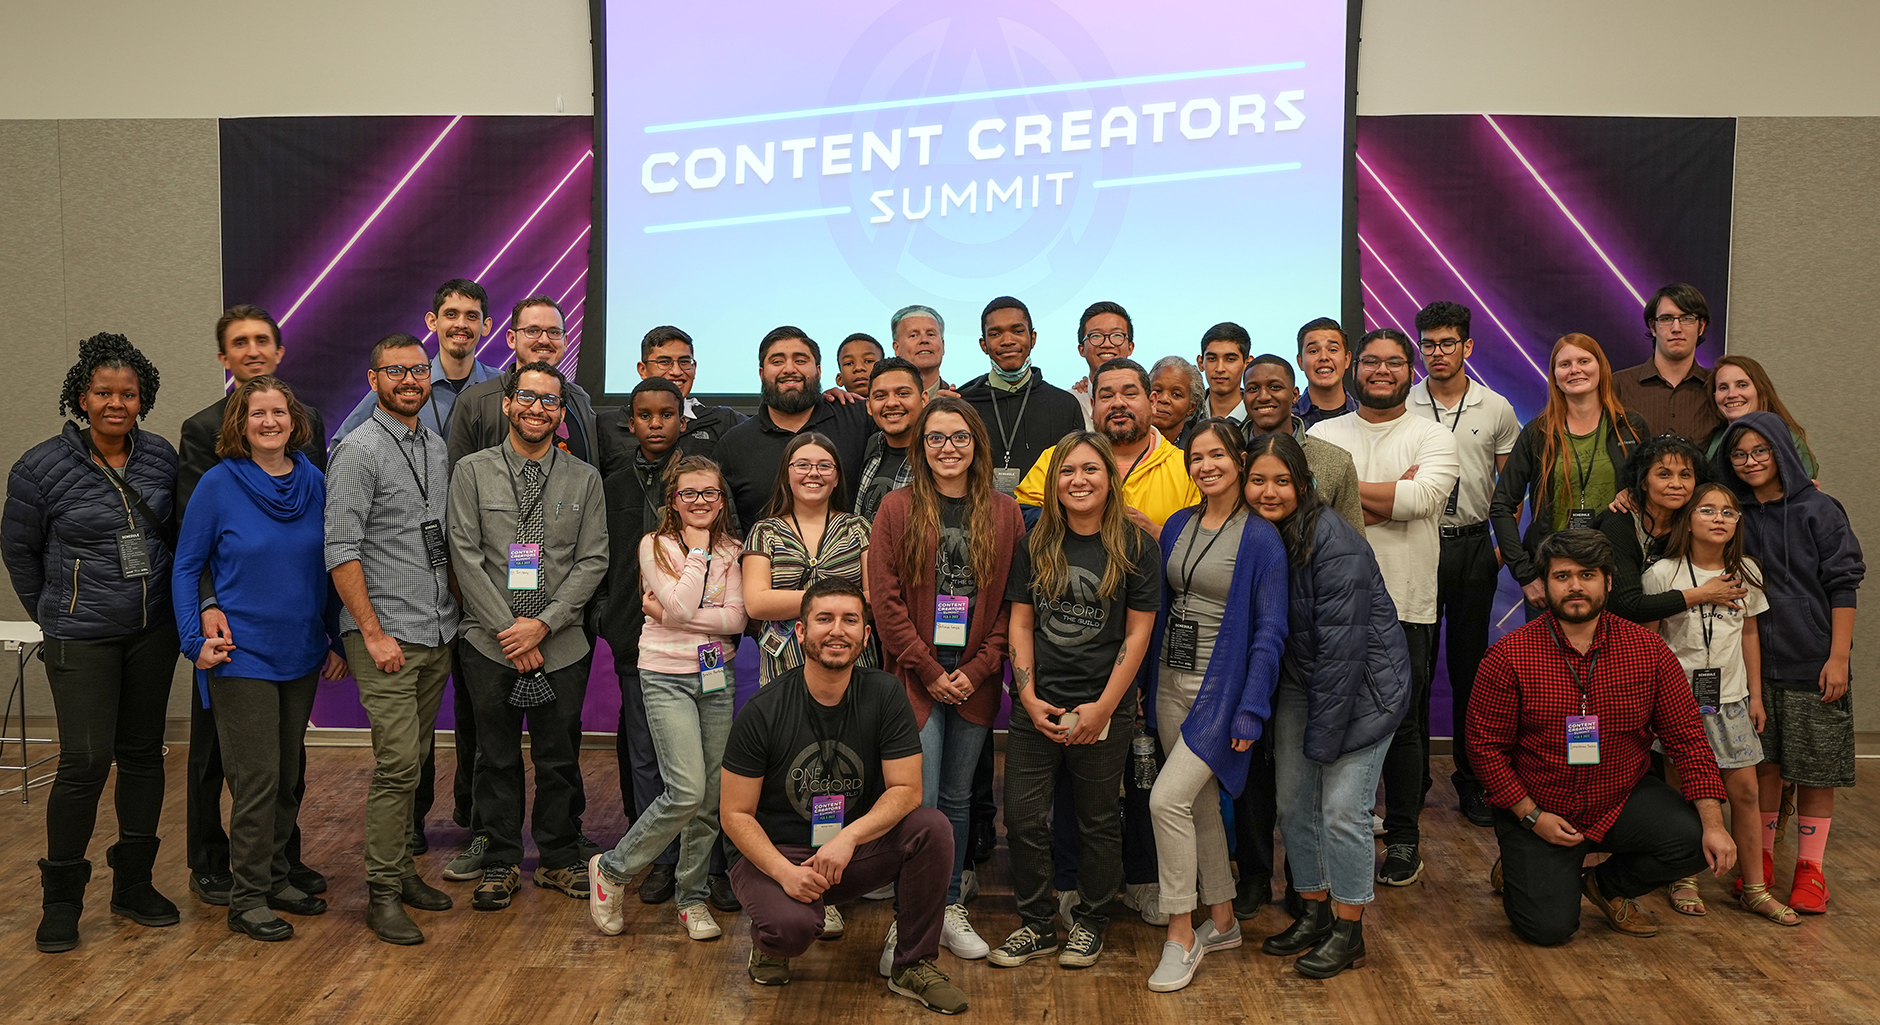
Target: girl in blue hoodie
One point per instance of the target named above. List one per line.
(1812, 569)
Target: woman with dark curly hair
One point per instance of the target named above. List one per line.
(87, 537)
(1659, 479)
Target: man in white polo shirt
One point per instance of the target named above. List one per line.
(1407, 467)
(1484, 426)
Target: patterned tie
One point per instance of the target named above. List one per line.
(531, 689)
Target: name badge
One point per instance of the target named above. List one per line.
(1707, 688)
(775, 638)
(949, 619)
(434, 547)
(711, 667)
(825, 818)
(134, 554)
(1582, 740)
(525, 567)
(1454, 493)
(1182, 643)
(1578, 518)
(1006, 478)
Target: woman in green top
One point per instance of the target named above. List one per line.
(1740, 385)
(1566, 462)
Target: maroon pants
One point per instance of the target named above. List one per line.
(916, 855)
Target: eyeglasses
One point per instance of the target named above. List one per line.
(1096, 337)
(525, 397)
(1668, 319)
(1432, 346)
(532, 332)
(668, 362)
(1393, 364)
(960, 439)
(709, 496)
(1711, 512)
(397, 373)
(1759, 454)
(805, 467)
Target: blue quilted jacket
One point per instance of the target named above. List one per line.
(59, 537)
(1345, 647)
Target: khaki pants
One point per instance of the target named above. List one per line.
(403, 710)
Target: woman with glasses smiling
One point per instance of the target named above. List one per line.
(939, 604)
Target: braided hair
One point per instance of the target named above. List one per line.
(113, 352)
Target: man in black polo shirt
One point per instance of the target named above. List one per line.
(789, 367)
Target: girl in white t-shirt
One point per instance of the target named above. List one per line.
(1721, 654)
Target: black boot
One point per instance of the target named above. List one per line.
(131, 893)
(64, 886)
(1343, 949)
(386, 917)
(1252, 893)
(1306, 932)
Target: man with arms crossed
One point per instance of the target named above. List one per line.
(821, 793)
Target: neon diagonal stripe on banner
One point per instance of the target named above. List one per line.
(337, 257)
(727, 222)
(497, 332)
(1395, 321)
(1575, 221)
(1182, 176)
(987, 94)
(1438, 250)
(1393, 274)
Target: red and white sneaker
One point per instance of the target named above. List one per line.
(605, 900)
(1809, 894)
(699, 923)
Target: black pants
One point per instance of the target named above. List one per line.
(1407, 765)
(202, 804)
(1139, 864)
(110, 696)
(1465, 598)
(1656, 839)
(1033, 768)
(554, 749)
(640, 781)
(1256, 813)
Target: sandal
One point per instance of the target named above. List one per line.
(1692, 905)
(1758, 900)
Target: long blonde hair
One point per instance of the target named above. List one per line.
(1555, 416)
(672, 525)
(1050, 571)
(923, 536)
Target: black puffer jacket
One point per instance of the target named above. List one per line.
(1344, 645)
(59, 537)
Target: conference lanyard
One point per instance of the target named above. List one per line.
(424, 490)
(1582, 683)
(1017, 425)
(1436, 411)
(1190, 566)
(826, 745)
(541, 495)
(1704, 613)
(1586, 472)
(1139, 457)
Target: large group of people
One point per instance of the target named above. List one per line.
(1204, 589)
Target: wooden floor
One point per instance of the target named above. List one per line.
(1440, 951)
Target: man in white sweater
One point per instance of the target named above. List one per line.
(1407, 467)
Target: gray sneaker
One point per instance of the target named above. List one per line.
(1212, 939)
(929, 985)
(1177, 968)
(469, 865)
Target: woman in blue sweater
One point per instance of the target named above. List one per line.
(259, 531)
(1208, 689)
(1343, 687)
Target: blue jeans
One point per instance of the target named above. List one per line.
(689, 729)
(1325, 810)
(949, 757)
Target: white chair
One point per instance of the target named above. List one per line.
(20, 638)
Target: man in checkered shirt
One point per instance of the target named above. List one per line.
(1560, 729)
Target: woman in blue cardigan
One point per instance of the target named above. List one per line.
(1208, 689)
(1343, 687)
(257, 524)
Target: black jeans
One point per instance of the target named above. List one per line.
(640, 781)
(554, 748)
(111, 696)
(1407, 765)
(263, 725)
(207, 841)
(1033, 767)
(1465, 598)
(1139, 863)
(1656, 839)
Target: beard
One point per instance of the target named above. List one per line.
(532, 435)
(1391, 400)
(833, 660)
(1594, 607)
(1124, 435)
(403, 399)
(793, 400)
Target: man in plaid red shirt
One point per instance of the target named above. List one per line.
(1560, 728)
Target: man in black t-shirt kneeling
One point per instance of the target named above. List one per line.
(821, 794)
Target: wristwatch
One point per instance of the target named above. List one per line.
(1532, 817)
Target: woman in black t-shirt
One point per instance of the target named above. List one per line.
(1084, 590)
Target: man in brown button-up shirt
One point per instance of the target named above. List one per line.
(1670, 390)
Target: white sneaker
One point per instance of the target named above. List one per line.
(886, 966)
(832, 923)
(1067, 899)
(1146, 899)
(957, 935)
(605, 900)
(1377, 824)
(884, 893)
(699, 923)
(969, 884)
(1177, 968)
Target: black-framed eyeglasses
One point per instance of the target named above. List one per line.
(1095, 337)
(806, 467)
(1759, 454)
(1445, 346)
(709, 496)
(959, 439)
(1668, 319)
(668, 362)
(533, 332)
(1393, 364)
(397, 372)
(526, 397)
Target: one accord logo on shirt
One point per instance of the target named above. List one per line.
(1077, 617)
(808, 778)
